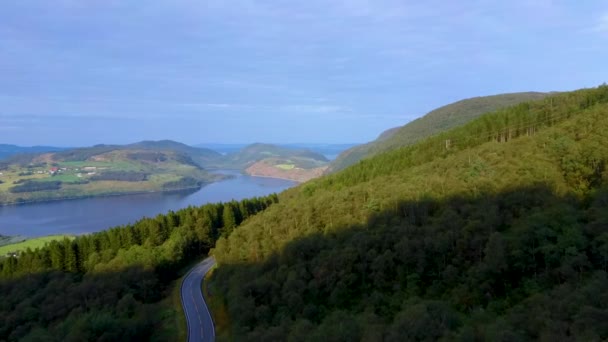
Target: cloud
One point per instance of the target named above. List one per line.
(602, 24)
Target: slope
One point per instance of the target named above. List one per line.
(489, 231)
(434, 122)
(256, 152)
(98, 171)
(201, 156)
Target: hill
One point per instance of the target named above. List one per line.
(201, 156)
(328, 150)
(7, 151)
(298, 169)
(267, 160)
(253, 153)
(103, 170)
(491, 231)
(434, 122)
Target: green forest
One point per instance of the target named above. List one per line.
(111, 285)
(492, 231)
(436, 121)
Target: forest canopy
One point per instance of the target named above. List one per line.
(491, 231)
(111, 285)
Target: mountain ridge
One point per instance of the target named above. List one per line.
(434, 122)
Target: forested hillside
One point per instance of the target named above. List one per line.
(112, 285)
(492, 231)
(434, 122)
(203, 157)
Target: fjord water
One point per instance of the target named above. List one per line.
(94, 214)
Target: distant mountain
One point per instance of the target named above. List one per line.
(328, 150)
(202, 156)
(293, 161)
(223, 148)
(436, 121)
(257, 152)
(148, 166)
(11, 150)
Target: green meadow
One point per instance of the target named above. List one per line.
(31, 243)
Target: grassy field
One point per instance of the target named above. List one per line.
(62, 178)
(78, 178)
(30, 243)
(285, 166)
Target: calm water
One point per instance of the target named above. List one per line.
(95, 214)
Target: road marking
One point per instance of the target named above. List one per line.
(194, 281)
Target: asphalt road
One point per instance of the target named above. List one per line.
(198, 317)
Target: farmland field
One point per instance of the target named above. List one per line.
(111, 173)
(285, 166)
(30, 243)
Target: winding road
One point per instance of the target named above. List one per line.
(198, 317)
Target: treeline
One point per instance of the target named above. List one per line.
(520, 265)
(153, 157)
(182, 183)
(84, 153)
(123, 176)
(495, 241)
(435, 122)
(33, 186)
(108, 285)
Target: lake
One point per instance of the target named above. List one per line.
(94, 214)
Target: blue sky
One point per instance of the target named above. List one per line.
(82, 72)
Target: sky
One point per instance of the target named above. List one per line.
(84, 72)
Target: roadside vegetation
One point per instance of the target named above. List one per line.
(112, 285)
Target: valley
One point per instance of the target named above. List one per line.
(475, 232)
(144, 167)
(303, 171)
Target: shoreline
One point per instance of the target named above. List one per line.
(143, 192)
(280, 178)
(128, 193)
